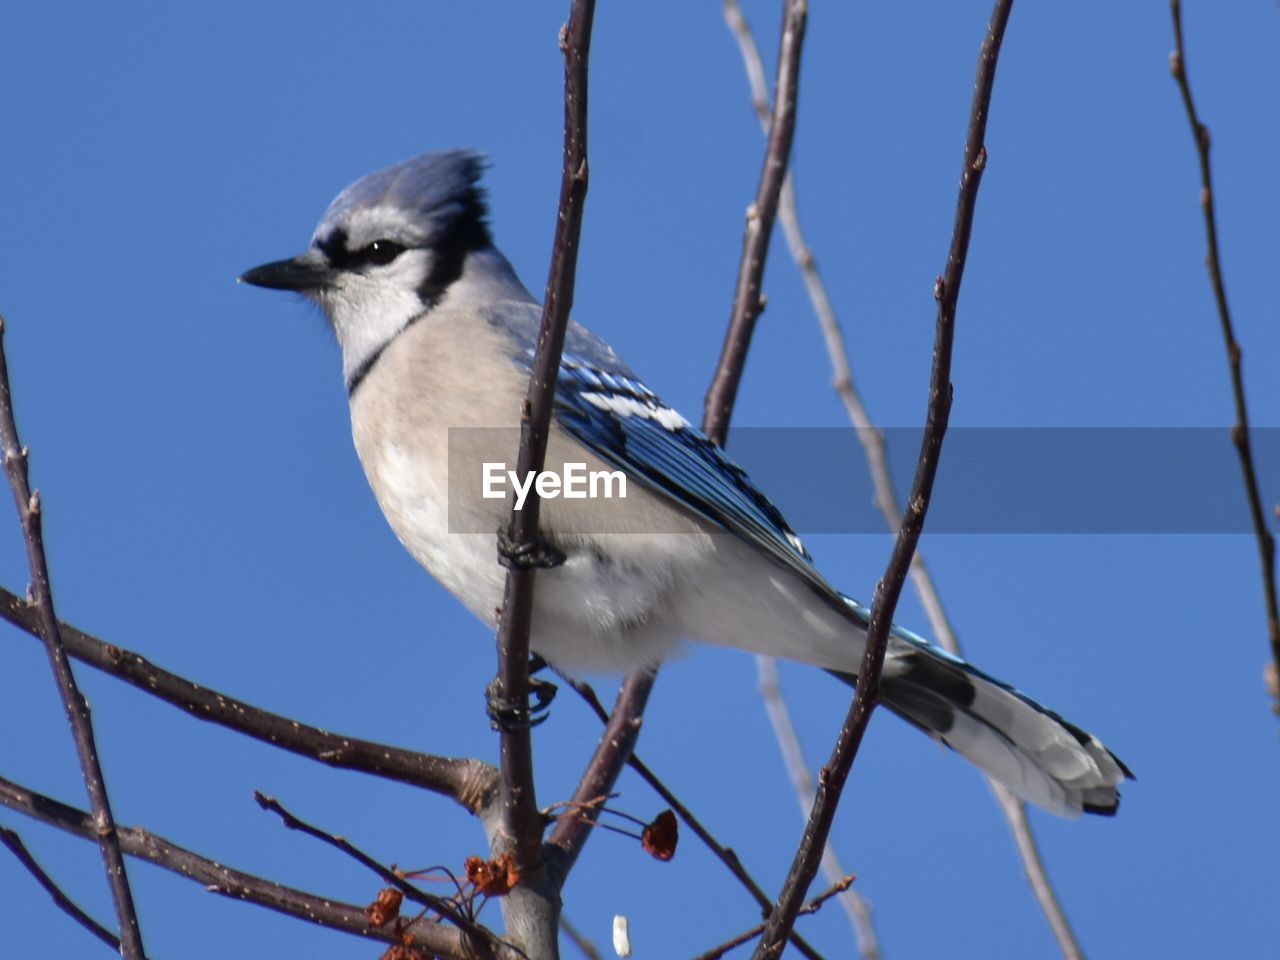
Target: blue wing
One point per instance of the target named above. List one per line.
(624, 423)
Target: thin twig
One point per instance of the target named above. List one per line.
(617, 741)
(747, 300)
(579, 940)
(68, 906)
(946, 292)
(521, 820)
(1015, 812)
(784, 731)
(467, 781)
(1240, 432)
(441, 939)
(623, 727)
(76, 707)
(840, 887)
(724, 854)
(440, 905)
(872, 440)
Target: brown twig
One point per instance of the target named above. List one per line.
(440, 905)
(617, 741)
(724, 854)
(946, 292)
(747, 300)
(872, 441)
(784, 731)
(623, 728)
(1240, 432)
(579, 940)
(469, 782)
(76, 707)
(813, 906)
(441, 939)
(521, 820)
(68, 906)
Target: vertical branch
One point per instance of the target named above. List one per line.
(617, 742)
(872, 441)
(521, 819)
(855, 907)
(1240, 432)
(532, 908)
(77, 709)
(747, 302)
(623, 727)
(946, 291)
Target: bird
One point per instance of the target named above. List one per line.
(437, 336)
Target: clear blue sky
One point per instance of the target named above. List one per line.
(205, 507)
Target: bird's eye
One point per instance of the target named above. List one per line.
(381, 252)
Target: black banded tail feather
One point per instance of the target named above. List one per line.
(1028, 748)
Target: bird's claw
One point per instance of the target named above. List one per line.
(511, 716)
(529, 555)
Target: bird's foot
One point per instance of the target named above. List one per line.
(509, 715)
(529, 555)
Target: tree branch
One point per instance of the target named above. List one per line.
(521, 819)
(841, 886)
(946, 292)
(441, 939)
(747, 301)
(533, 909)
(68, 906)
(76, 707)
(1213, 262)
(471, 783)
(617, 741)
(724, 854)
(784, 731)
(622, 729)
(481, 939)
(579, 940)
(872, 441)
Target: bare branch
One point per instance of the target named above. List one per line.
(747, 301)
(1240, 432)
(617, 741)
(521, 819)
(872, 441)
(77, 709)
(724, 854)
(946, 292)
(622, 730)
(855, 907)
(623, 727)
(841, 886)
(68, 906)
(469, 782)
(440, 905)
(442, 939)
(579, 940)
(532, 909)
(1015, 812)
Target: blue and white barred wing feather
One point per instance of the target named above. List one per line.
(1030, 749)
(624, 423)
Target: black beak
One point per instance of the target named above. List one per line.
(302, 273)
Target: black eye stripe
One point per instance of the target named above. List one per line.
(378, 253)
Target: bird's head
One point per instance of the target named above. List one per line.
(389, 248)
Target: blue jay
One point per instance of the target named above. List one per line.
(437, 333)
